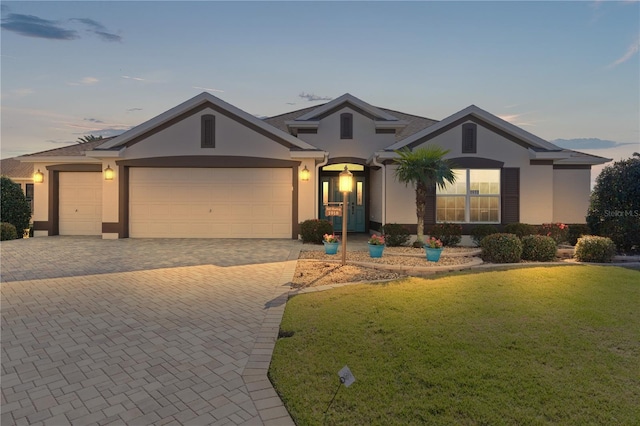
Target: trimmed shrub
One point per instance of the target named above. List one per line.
(8, 232)
(481, 231)
(501, 248)
(395, 234)
(449, 233)
(313, 230)
(591, 248)
(14, 206)
(577, 230)
(539, 248)
(520, 229)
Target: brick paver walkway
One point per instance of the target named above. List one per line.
(181, 345)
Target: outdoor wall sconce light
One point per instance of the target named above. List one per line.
(38, 177)
(108, 173)
(346, 184)
(305, 174)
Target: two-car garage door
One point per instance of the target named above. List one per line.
(210, 203)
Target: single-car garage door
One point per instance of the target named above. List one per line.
(210, 203)
(80, 203)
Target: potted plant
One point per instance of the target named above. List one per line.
(433, 248)
(331, 243)
(376, 245)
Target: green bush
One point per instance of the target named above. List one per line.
(313, 230)
(591, 248)
(558, 231)
(501, 248)
(577, 230)
(614, 209)
(481, 231)
(395, 234)
(520, 229)
(7, 232)
(539, 248)
(14, 206)
(449, 233)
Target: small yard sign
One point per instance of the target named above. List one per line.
(332, 211)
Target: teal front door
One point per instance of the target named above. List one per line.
(330, 193)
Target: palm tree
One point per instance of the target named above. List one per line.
(89, 138)
(422, 168)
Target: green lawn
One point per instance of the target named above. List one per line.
(520, 347)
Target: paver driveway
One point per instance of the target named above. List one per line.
(91, 342)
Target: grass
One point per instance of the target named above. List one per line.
(547, 345)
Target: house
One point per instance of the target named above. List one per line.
(20, 173)
(206, 169)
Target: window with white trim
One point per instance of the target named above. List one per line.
(473, 198)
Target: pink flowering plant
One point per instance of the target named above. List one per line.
(433, 242)
(558, 231)
(331, 238)
(376, 240)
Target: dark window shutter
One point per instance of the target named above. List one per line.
(469, 137)
(430, 208)
(208, 131)
(346, 126)
(510, 194)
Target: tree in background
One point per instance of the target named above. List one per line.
(423, 168)
(14, 206)
(614, 210)
(89, 138)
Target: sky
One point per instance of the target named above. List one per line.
(565, 71)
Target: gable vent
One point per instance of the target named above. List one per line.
(346, 125)
(208, 131)
(469, 137)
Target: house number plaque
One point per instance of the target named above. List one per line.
(332, 211)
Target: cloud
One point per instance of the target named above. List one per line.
(32, 26)
(290, 103)
(93, 120)
(207, 89)
(133, 78)
(515, 119)
(134, 109)
(311, 97)
(587, 143)
(632, 50)
(87, 81)
(18, 93)
(98, 29)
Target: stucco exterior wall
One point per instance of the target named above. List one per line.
(41, 199)
(183, 139)
(571, 189)
(110, 199)
(306, 191)
(364, 143)
(401, 200)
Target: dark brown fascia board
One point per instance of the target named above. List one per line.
(346, 104)
(201, 161)
(474, 119)
(75, 167)
(541, 162)
(219, 110)
(572, 167)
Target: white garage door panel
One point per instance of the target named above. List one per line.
(80, 196)
(210, 203)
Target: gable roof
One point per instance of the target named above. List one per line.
(192, 106)
(538, 147)
(413, 123)
(351, 101)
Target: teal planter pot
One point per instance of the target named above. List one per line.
(433, 254)
(330, 248)
(375, 250)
